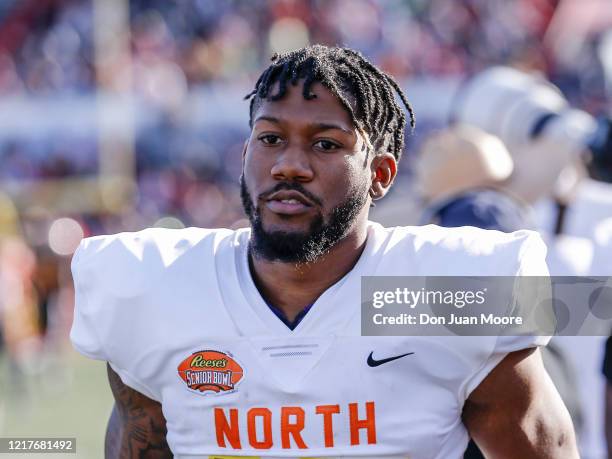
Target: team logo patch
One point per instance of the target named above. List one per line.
(211, 372)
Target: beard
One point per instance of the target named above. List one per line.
(302, 246)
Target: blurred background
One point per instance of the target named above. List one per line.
(116, 115)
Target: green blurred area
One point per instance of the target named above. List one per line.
(56, 397)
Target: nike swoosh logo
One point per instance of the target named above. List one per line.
(374, 363)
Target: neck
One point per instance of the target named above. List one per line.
(291, 287)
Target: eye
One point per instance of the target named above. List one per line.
(269, 139)
(326, 145)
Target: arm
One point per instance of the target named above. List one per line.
(517, 412)
(137, 427)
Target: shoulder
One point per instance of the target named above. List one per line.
(140, 254)
(464, 250)
(118, 279)
(483, 208)
(114, 269)
(167, 244)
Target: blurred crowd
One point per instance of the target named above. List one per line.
(49, 45)
(48, 50)
(186, 66)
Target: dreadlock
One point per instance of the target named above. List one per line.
(347, 74)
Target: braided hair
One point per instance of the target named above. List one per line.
(367, 93)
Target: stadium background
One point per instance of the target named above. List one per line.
(117, 115)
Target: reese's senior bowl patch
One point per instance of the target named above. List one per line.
(210, 372)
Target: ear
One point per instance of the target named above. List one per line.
(384, 170)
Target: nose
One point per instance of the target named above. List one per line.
(292, 164)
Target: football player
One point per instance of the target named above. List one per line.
(226, 343)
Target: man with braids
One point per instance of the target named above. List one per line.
(247, 343)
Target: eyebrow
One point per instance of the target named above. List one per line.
(319, 126)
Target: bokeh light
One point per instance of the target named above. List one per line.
(65, 234)
(287, 34)
(169, 222)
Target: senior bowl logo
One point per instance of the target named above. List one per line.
(210, 372)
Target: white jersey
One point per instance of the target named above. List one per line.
(178, 317)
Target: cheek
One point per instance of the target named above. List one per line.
(346, 178)
(254, 166)
(358, 175)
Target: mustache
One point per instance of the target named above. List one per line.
(291, 186)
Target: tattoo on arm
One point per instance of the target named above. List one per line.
(137, 427)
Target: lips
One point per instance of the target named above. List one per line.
(288, 202)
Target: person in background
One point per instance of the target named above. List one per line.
(461, 173)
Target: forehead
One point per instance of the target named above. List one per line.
(293, 107)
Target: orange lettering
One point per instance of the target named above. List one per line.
(328, 411)
(292, 429)
(357, 424)
(266, 415)
(225, 430)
